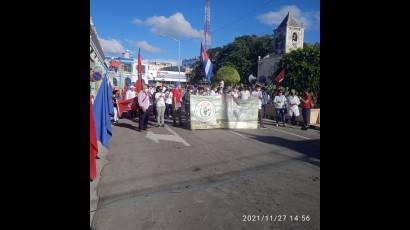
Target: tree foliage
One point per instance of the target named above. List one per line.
(227, 73)
(197, 73)
(242, 53)
(302, 69)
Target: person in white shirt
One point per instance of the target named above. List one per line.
(160, 103)
(279, 103)
(168, 103)
(235, 93)
(293, 106)
(130, 93)
(257, 93)
(245, 94)
(211, 92)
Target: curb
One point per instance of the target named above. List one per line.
(94, 185)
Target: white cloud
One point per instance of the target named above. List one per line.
(113, 46)
(310, 19)
(145, 46)
(137, 21)
(174, 26)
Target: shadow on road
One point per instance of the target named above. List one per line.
(310, 148)
(126, 125)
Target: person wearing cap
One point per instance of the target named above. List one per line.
(293, 106)
(279, 103)
(143, 103)
(176, 102)
(257, 93)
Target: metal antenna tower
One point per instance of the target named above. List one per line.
(207, 25)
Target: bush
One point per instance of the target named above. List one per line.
(229, 74)
(303, 70)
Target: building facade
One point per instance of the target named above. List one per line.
(97, 60)
(125, 71)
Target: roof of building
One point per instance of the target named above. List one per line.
(94, 39)
(289, 20)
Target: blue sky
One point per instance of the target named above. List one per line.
(129, 24)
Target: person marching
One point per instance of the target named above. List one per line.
(307, 105)
(143, 102)
(279, 103)
(160, 104)
(177, 99)
(257, 93)
(292, 105)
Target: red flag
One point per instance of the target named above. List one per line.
(124, 105)
(93, 145)
(279, 78)
(138, 84)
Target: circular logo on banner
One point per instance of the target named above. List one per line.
(205, 111)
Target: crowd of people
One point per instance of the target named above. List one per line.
(172, 102)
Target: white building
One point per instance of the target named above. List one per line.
(152, 71)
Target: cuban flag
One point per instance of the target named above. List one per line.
(206, 63)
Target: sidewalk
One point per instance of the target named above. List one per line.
(273, 121)
(94, 185)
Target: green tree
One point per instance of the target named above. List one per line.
(302, 69)
(227, 73)
(242, 53)
(197, 73)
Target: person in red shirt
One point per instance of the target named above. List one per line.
(307, 104)
(176, 102)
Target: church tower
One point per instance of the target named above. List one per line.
(288, 35)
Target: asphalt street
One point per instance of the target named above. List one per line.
(176, 178)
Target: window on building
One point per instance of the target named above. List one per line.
(127, 68)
